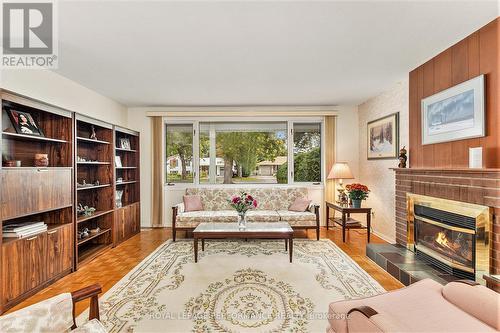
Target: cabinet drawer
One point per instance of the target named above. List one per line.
(27, 191)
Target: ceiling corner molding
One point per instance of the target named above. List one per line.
(241, 111)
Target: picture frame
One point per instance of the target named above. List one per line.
(125, 143)
(456, 113)
(24, 123)
(118, 162)
(383, 137)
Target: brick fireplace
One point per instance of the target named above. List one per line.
(451, 212)
(473, 186)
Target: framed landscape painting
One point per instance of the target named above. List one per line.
(383, 137)
(456, 113)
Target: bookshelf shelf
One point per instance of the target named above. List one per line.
(100, 197)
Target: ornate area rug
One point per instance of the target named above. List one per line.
(236, 286)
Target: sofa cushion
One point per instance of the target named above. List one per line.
(299, 205)
(418, 308)
(192, 203)
(271, 198)
(262, 216)
(289, 216)
(206, 216)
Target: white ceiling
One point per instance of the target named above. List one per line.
(157, 53)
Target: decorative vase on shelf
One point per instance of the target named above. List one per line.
(242, 220)
(356, 203)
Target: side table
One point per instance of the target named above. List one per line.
(346, 222)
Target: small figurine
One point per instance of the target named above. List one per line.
(84, 233)
(93, 136)
(85, 210)
(402, 157)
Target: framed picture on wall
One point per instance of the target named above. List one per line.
(383, 137)
(456, 113)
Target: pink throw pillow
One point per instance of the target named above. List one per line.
(192, 203)
(299, 205)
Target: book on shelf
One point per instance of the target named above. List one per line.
(21, 226)
(23, 230)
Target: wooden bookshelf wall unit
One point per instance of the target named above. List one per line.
(127, 214)
(35, 194)
(94, 187)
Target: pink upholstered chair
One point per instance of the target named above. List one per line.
(425, 306)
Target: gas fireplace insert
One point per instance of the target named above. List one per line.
(451, 235)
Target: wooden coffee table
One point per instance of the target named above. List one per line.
(266, 230)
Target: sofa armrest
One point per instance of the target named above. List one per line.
(91, 292)
(313, 207)
(475, 299)
(179, 208)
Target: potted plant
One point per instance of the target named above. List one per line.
(241, 203)
(357, 193)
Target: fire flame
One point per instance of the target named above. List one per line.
(442, 240)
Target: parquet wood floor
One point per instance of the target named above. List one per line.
(114, 264)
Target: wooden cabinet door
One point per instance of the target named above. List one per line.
(23, 265)
(130, 221)
(35, 252)
(31, 190)
(127, 222)
(13, 265)
(120, 224)
(59, 250)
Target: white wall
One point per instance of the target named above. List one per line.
(52, 88)
(347, 139)
(376, 173)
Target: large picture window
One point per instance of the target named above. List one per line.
(226, 152)
(232, 153)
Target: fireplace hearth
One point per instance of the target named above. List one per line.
(453, 236)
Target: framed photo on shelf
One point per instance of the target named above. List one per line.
(456, 113)
(24, 123)
(383, 137)
(125, 143)
(118, 161)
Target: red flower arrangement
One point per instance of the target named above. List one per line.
(243, 202)
(357, 191)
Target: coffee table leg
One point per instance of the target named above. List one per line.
(291, 248)
(203, 244)
(286, 244)
(195, 249)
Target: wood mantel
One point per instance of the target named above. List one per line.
(477, 186)
(457, 170)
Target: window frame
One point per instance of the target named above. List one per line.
(195, 122)
(195, 144)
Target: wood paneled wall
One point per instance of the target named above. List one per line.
(477, 54)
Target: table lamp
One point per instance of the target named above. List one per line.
(340, 171)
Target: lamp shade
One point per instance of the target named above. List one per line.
(340, 170)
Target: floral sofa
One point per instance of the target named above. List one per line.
(272, 206)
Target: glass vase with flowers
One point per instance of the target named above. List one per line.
(242, 203)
